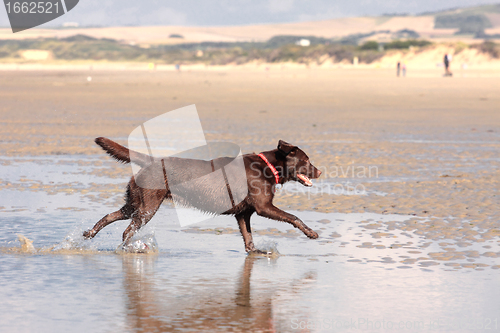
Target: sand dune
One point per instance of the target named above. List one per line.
(160, 34)
(433, 57)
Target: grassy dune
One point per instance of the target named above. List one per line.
(279, 49)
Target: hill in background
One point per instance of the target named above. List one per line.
(451, 25)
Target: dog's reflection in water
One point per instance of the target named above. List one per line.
(198, 305)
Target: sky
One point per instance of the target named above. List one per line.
(236, 12)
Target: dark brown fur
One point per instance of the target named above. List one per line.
(142, 203)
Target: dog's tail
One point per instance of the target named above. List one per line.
(123, 154)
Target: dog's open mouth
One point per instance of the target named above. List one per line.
(304, 180)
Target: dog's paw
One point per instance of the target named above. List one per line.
(259, 252)
(88, 234)
(312, 234)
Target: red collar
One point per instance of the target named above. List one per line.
(273, 169)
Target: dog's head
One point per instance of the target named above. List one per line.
(297, 164)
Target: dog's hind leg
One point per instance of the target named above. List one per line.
(143, 215)
(245, 229)
(134, 226)
(121, 214)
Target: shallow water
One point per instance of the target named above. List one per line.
(366, 272)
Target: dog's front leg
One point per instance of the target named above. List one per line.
(272, 212)
(244, 225)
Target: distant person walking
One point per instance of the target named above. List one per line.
(398, 68)
(447, 60)
(404, 69)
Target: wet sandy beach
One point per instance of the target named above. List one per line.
(407, 208)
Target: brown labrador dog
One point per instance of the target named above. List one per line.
(263, 171)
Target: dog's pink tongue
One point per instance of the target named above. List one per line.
(305, 179)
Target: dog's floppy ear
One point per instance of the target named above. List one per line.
(285, 148)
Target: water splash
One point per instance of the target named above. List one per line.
(73, 242)
(140, 244)
(268, 247)
(26, 245)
